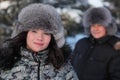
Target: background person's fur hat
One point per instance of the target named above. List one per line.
(40, 16)
(99, 15)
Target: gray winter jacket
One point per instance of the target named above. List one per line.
(28, 69)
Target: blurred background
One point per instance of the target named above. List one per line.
(71, 12)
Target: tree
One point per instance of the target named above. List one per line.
(115, 9)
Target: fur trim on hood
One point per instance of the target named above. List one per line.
(40, 16)
(99, 15)
(117, 45)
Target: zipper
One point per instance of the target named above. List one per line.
(36, 59)
(38, 73)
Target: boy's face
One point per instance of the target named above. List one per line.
(38, 40)
(98, 31)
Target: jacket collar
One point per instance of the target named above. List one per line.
(112, 40)
(31, 56)
(100, 40)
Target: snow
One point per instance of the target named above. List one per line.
(72, 40)
(96, 3)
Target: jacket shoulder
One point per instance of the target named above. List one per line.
(117, 43)
(82, 40)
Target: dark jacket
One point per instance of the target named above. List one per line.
(97, 59)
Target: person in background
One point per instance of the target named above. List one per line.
(36, 49)
(97, 57)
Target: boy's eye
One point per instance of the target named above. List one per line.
(34, 31)
(47, 33)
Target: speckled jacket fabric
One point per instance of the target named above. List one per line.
(33, 67)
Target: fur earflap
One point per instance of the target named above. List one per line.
(40, 16)
(99, 15)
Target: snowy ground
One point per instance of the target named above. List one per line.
(72, 40)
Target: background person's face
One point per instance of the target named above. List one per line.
(38, 40)
(98, 31)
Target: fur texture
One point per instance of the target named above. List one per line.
(117, 46)
(40, 16)
(99, 15)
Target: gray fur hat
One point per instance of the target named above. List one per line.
(40, 16)
(99, 15)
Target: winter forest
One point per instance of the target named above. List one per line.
(71, 12)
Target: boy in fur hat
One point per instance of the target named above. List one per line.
(35, 50)
(97, 57)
